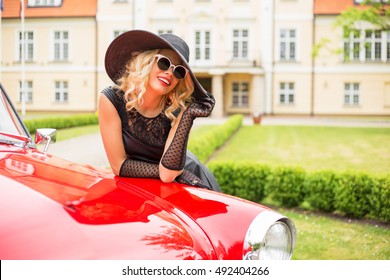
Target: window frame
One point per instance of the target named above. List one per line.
(29, 91)
(240, 95)
(62, 90)
(286, 93)
(351, 93)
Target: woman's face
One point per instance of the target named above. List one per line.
(163, 81)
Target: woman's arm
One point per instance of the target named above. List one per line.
(173, 160)
(169, 175)
(111, 133)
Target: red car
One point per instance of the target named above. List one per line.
(55, 209)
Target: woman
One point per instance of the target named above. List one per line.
(145, 119)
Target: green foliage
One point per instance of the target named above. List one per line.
(319, 189)
(285, 185)
(379, 199)
(245, 179)
(356, 195)
(351, 196)
(205, 145)
(375, 13)
(61, 122)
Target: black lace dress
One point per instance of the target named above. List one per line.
(144, 138)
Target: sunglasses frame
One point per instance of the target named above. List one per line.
(160, 56)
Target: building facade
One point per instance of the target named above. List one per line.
(255, 56)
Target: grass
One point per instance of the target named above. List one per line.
(322, 237)
(63, 134)
(313, 148)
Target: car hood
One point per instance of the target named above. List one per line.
(56, 209)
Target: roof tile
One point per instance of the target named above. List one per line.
(69, 8)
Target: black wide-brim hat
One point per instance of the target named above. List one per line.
(121, 48)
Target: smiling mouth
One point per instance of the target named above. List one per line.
(165, 81)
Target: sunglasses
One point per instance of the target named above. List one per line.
(163, 63)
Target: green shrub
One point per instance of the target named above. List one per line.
(244, 179)
(205, 145)
(61, 122)
(352, 195)
(319, 188)
(285, 185)
(379, 199)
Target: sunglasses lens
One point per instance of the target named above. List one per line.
(163, 63)
(180, 72)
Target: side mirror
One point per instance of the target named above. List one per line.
(45, 136)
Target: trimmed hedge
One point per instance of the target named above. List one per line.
(246, 180)
(61, 122)
(204, 146)
(353, 194)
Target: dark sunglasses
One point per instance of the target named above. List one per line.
(163, 63)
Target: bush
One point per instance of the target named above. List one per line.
(352, 195)
(245, 179)
(285, 185)
(379, 199)
(319, 189)
(61, 122)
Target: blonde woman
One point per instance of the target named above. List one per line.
(146, 118)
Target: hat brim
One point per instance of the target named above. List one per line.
(122, 47)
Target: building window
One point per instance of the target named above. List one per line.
(61, 91)
(116, 33)
(352, 46)
(351, 94)
(61, 45)
(377, 1)
(373, 45)
(387, 42)
(240, 43)
(164, 31)
(28, 46)
(287, 44)
(202, 45)
(28, 91)
(240, 95)
(44, 3)
(286, 93)
(367, 45)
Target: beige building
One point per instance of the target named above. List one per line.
(255, 56)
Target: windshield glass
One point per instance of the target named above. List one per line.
(9, 121)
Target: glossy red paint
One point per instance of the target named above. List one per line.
(55, 209)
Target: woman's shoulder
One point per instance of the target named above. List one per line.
(115, 95)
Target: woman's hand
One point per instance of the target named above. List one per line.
(201, 107)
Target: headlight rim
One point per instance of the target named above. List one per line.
(259, 227)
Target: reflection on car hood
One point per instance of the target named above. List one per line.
(69, 211)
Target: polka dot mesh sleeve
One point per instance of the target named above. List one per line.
(141, 169)
(175, 156)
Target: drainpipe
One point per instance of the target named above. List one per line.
(312, 65)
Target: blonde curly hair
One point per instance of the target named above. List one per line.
(136, 76)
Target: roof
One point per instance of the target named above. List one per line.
(69, 8)
(332, 7)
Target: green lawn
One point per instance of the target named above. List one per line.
(327, 238)
(313, 148)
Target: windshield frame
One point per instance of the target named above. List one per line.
(19, 124)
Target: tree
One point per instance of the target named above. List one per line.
(372, 13)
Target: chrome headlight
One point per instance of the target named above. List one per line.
(270, 236)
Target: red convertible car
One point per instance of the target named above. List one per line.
(55, 209)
